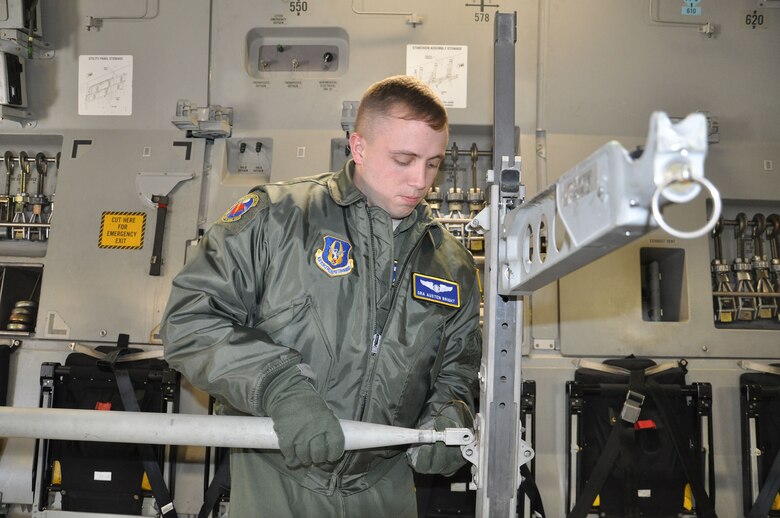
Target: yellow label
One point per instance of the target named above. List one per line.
(124, 230)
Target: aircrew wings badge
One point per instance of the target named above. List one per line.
(333, 258)
(433, 289)
(241, 207)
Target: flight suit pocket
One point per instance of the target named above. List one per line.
(299, 327)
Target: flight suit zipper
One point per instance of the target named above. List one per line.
(376, 339)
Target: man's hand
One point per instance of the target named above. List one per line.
(308, 431)
(436, 458)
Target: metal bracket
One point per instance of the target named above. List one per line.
(208, 122)
(349, 115)
(15, 41)
(525, 454)
(471, 452)
(603, 203)
(455, 436)
(21, 116)
(12, 343)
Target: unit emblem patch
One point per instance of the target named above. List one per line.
(433, 289)
(241, 207)
(333, 258)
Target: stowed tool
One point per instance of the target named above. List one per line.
(476, 199)
(21, 199)
(149, 186)
(6, 212)
(773, 236)
(766, 307)
(725, 305)
(746, 306)
(159, 231)
(50, 215)
(456, 222)
(434, 199)
(38, 200)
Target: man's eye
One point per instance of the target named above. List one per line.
(433, 165)
(403, 162)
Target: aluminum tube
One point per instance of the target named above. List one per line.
(195, 430)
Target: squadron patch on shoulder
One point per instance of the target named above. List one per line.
(433, 289)
(241, 207)
(333, 258)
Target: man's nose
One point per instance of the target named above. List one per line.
(418, 177)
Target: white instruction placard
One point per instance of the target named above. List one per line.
(442, 67)
(105, 85)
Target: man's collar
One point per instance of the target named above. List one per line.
(344, 192)
(342, 186)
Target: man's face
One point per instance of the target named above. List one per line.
(396, 162)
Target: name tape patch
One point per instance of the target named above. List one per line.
(433, 289)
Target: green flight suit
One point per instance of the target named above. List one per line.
(302, 273)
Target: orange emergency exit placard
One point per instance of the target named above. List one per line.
(122, 230)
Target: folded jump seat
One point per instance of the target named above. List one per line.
(760, 419)
(640, 441)
(106, 477)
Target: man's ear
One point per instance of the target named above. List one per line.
(357, 147)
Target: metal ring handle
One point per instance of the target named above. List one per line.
(716, 208)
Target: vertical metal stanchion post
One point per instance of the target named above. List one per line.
(498, 474)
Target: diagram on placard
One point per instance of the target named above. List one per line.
(443, 67)
(105, 85)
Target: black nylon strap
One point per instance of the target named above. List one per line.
(219, 485)
(628, 452)
(530, 489)
(704, 507)
(149, 459)
(599, 474)
(770, 488)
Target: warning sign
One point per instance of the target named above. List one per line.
(123, 230)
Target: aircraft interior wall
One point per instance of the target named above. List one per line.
(200, 100)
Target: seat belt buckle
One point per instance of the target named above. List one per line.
(632, 407)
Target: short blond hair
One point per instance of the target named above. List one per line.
(405, 97)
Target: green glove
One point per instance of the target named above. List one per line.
(308, 431)
(438, 458)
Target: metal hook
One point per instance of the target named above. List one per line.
(774, 220)
(760, 225)
(24, 162)
(741, 227)
(8, 158)
(40, 163)
(718, 228)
